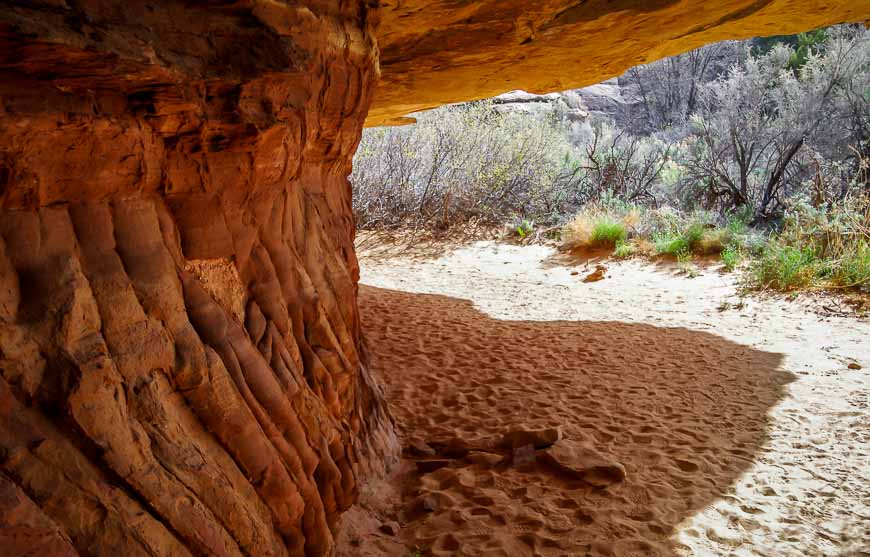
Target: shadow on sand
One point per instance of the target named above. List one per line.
(419, 244)
(684, 411)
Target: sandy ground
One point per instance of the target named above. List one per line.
(742, 429)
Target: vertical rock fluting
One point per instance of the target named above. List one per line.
(180, 365)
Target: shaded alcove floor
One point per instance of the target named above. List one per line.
(683, 411)
(687, 412)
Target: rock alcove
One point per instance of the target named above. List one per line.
(182, 365)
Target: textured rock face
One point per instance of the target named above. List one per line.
(435, 52)
(180, 365)
(181, 362)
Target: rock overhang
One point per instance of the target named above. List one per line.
(441, 51)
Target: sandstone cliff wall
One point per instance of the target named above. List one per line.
(180, 352)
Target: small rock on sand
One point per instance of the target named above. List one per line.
(538, 438)
(583, 462)
(596, 275)
(416, 447)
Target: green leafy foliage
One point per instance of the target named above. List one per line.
(524, 229)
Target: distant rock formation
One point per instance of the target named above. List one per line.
(611, 100)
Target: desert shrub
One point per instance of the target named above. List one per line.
(695, 237)
(712, 242)
(672, 245)
(618, 165)
(669, 88)
(577, 232)
(819, 246)
(853, 269)
(603, 224)
(524, 229)
(663, 231)
(764, 131)
(464, 163)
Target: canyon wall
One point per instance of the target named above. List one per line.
(182, 368)
(180, 351)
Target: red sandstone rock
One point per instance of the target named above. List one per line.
(596, 275)
(435, 52)
(24, 528)
(178, 324)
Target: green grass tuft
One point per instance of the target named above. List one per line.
(672, 245)
(853, 268)
(623, 250)
(607, 233)
(785, 267)
(731, 256)
(693, 235)
(524, 229)
(696, 238)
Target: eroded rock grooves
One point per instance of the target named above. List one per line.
(181, 363)
(180, 344)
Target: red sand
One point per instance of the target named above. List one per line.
(682, 411)
(725, 450)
